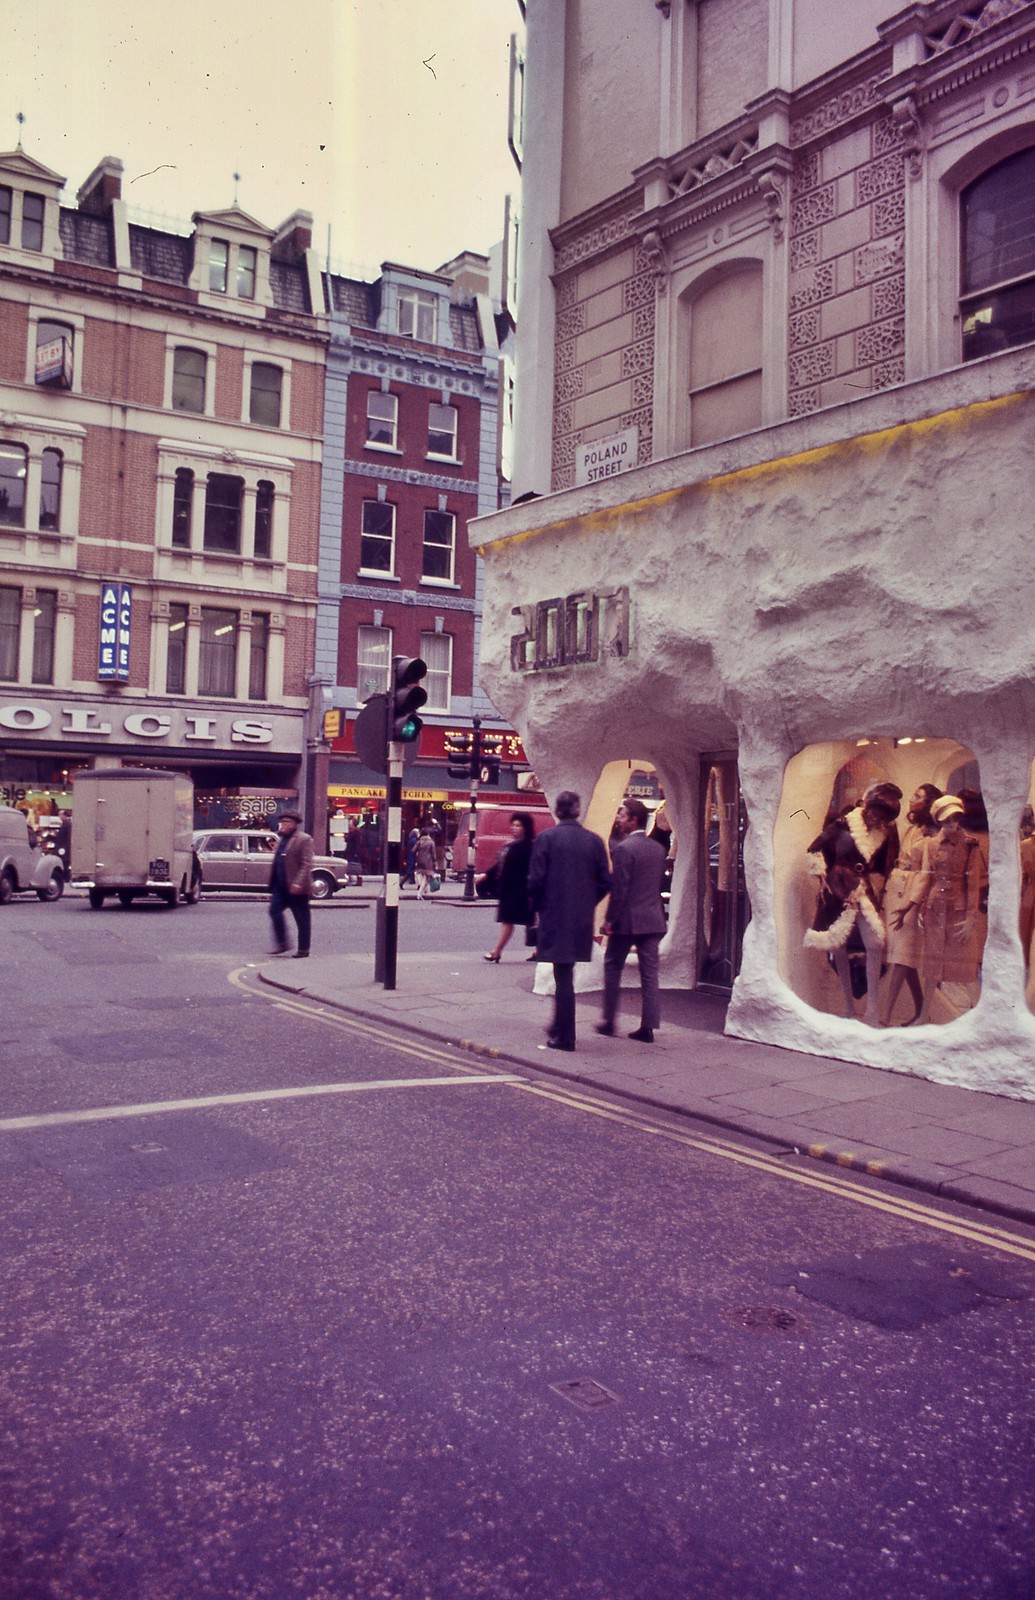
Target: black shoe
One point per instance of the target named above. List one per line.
(558, 1044)
(607, 1029)
(643, 1035)
(301, 954)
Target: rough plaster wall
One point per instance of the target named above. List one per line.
(827, 34)
(849, 591)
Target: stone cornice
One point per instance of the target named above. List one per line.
(427, 599)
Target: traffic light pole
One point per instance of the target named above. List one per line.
(472, 815)
(393, 865)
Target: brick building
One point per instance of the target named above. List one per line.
(411, 454)
(161, 418)
(774, 397)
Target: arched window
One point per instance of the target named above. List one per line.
(997, 291)
(725, 387)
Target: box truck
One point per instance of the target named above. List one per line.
(131, 836)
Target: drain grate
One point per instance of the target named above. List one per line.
(585, 1393)
(764, 1319)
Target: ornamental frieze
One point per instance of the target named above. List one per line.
(849, 103)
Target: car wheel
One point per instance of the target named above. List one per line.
(7, 887)
(323, 885)
(125, 898)
(53, 889)
(172, 897)
(193, 894)
(96, 899)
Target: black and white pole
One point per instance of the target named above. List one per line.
(393, 862)
(472, 815)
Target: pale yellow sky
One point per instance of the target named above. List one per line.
(385, 118)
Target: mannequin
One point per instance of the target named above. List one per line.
(945, 901)
(903, 947)
(859, 850)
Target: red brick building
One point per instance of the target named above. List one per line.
(161, 419)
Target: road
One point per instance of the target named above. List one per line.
(427, 1330)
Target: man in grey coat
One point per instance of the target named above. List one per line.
(635, 916)
(567, 877)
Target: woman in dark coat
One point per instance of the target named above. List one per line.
(511, 882)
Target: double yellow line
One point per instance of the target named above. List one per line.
(891, 1202)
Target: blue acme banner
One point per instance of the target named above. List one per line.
(113, 645)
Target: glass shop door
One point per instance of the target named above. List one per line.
(725, 908)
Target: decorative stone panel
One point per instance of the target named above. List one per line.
(643, 388)
(885, 373)
(568, 386)
(879, 260)
(880, 177)
(602, 237)
(880, 342)
(889, 297)
(840, 108)
(815, 285)
(643, 322)
(820, 205)
(812, 366)
(565, 356)
(806, 173)
(804, 250)
(563, 417)
(889, 213)
(885, 136)
(638, 291)
(570, 321)
(802, 401)
(637, 357)
(567, 291)
(805, 328)
(643, 419)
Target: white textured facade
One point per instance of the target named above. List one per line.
(777, 268)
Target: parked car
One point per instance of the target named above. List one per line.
(24, 867)
(239, 858)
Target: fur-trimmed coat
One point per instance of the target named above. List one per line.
(856, 863)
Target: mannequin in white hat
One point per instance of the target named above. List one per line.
(946, 902)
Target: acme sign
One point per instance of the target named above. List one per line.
(116, 725)
(571, 630)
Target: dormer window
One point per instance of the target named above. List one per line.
(417, 315)
(246, 259)
(218, 265)
(5, 215)
(33, 207)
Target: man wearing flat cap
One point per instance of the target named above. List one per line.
(291, 884)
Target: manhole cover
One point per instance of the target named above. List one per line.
(764, 1319)
(585, 1393)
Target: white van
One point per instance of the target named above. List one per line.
(131, 835)
(23, 865)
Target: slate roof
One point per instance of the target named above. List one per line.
(165, 256)
(289, 287)
(86, 238)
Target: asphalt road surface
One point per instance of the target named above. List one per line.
(328, 1312)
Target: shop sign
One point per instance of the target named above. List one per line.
(605, 458)
(362, 791)
(113, 644)
(571, 630)
(175, 726)
(54, 363)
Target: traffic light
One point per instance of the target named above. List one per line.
(404, 725)
(459, 747)
(489, 757)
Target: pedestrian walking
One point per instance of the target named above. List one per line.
(508, 878)
(291, 884)
(635, 917)
(425, 862)
(411, 855)
(567, 878)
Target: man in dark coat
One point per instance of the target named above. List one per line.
(635, 916)
(291, 883)
(567, 878)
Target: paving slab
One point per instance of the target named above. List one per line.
(968, 1145)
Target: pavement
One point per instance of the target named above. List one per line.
(959, 1144)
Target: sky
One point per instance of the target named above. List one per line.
(387, 119)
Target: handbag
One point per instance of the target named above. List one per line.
(488, 887)
(435, 883)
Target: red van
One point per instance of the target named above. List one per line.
(492, 833)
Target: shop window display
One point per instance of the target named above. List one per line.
(883, 915)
